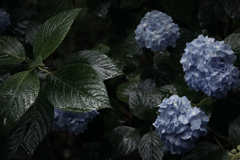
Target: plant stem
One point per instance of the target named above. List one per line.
(45, 71)
(218, 142)
(154, 61)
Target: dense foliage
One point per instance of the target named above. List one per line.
(119, 79)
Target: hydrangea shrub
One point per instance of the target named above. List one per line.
(156, 31)
(4, 20)
(179, 125)
(209, 66)
(72, 122)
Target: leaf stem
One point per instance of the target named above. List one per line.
(45, 71)
(218, 143)
(154, 61)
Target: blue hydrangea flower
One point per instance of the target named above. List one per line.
(209, 66)
(179, 125)
(4, 20)
(72, 122)
(157, 31)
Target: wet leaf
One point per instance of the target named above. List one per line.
(77, 88)
(234, 131)
(102, 48)
(4, 69)
(119, 142)
(40, 121)
(12, 51)
(37, 62)
(32, 30)
(131, 47)
(102, 64)
(124, 90)
(53, 32)
(151, 147)
(139, 106)
(17, 94)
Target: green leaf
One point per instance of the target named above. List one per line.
(179, 9)
(37, 62)
(185, 36)
(17, 94)
(201, 150)
(4, 69)
(234, 131)
(53, 32)
(131, 47)
(129, 66)
(151, 147)
(51, 10)
(19, 19)
(40, 120)
(124, 90)
(102, 48)
(139, 106)
(224, 112)
(90, 151)
(11, 52)
(234, 41)
(218, 155)
(210, 11)
(130, 4)
(14, 139)
(120, 142)
(99, 7)
(77, 88)
(152, 79)
(231, 7)
(102, 64)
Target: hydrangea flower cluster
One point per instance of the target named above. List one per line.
(72, 122)
(209, 66)
(157, 31)
(4, 20)
(180, 125)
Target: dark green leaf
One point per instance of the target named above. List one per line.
(234, 131)
(151, 147)
(201, 150)
(210, 11)
(131, 47)
(129, 66)
(90, 151)
(99, 7)
(119, 142)
(129, 4)
(51, 10)
(224, 112)
(179, 9)
(205, 105)
(152, 79)
(218, 155)
(40, 120)
(37, 62)
(77, 88)
(102, 64)
(124, 90)
(185, 36)
(19, 19)
(11, 52)
(102, 48)
(231, 7)
(53, 32)
(139, 106)
(17, 94)
(14, 139)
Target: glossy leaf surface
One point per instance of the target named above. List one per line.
(17, 94)
(234, 131)
(131, 47)
(102, 64)
(77, 88)
(11, 52)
